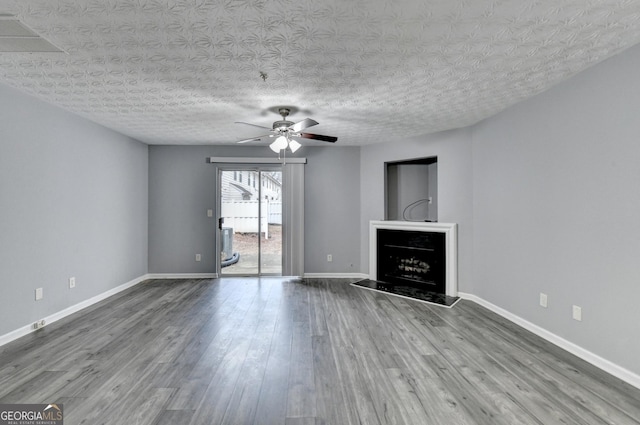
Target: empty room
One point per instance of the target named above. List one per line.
(296, 212)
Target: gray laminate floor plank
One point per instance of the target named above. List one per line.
(173, 417)
(193, 384)
(301, 396)
(358, 398)
(297, 352)
(41, 386)
(542, 384)
(332, 404)
(496, 408)
(317, 317)
(391, 407)
(219, 394)
(244, 398)
(272, 402)
(300, 421)
(538, 389)
(472, 362)
(243, 404)
(374, 358)
(367, 327)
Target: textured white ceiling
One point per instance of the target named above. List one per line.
(182, 71)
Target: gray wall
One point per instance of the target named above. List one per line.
(433, 192)
(455, 195)
(181, 189)
(557, 207)
(332, 210)
(73, 203)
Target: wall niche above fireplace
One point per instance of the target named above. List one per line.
(411, 190)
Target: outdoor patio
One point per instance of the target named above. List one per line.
(246, 244)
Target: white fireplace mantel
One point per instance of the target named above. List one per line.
(451, 247)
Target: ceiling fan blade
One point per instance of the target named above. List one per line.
(321, 137)
(253, 139)
(253, 125)
(301, 125)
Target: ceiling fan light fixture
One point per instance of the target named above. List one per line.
(294, 146)
(279, 144)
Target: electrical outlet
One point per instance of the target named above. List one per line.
(543, 300)
(577, 313)
(209, 213)
(329, 258)
(39, 293)
(198, 257)
(72, 282)
(39, 324)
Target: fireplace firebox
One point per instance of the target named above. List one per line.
(412, 258)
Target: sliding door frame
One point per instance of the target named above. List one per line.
(292, 208)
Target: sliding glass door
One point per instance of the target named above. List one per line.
(250, 220)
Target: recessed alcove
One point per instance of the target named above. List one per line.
(411, 190)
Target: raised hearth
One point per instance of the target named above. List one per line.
(421, 256)
(408, 292)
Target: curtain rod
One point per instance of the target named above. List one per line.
(242, 160)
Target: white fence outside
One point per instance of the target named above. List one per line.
(242, 216)
(274, 214)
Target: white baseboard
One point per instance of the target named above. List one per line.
(182, 276)
(601, 363)
(25, 330)
(215, 276)
(336, 275)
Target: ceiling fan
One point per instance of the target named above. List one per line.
(287, 133)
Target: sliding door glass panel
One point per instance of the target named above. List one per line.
(271, 216)
(251, 229)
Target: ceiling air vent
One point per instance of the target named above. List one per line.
(17, 37)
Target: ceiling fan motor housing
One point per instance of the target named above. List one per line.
(282, 125)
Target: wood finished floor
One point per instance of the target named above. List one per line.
(274, 351)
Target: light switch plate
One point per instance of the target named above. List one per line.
(543, 300)
(577, 313)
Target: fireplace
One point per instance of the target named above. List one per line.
(414, 256)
